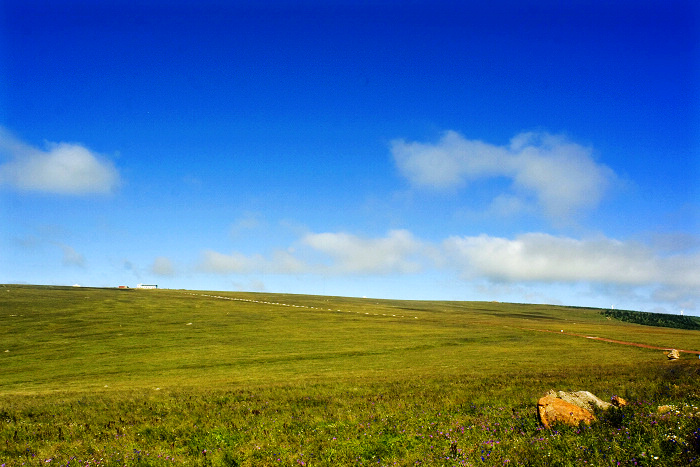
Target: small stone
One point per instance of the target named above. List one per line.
(618, 401)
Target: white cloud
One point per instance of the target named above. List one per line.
(162, 266)
(63, 168)
(236, 263)
(282, 262)
(562, 176)
(338, 253)
(351, 254)
(450, 162)
(539, 257)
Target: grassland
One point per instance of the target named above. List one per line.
(168, 377)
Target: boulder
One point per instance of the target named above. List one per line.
(582, 399)
(551, 410)
(673, 354)
(572, 407)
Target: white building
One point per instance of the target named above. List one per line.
(146, 286)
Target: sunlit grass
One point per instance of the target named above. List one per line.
(110, 377)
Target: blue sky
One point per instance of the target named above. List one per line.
(513, 151)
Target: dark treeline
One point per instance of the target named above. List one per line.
(655, 319)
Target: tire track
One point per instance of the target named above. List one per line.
(615, 341)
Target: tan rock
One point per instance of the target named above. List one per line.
(673, 354)
(551, 410)
(618, 401)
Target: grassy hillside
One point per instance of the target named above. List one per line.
(162, 377)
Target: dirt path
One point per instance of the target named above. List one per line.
(605, 339)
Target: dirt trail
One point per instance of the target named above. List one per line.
(605, 339)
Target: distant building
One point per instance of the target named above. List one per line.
(146, 286)
(123, 286)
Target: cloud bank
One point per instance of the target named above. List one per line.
(395, 253)
(62, 168)
(399, 252)
(281, 262)
(562, 176)
(533, 258)
(539, 257)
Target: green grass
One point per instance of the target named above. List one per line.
(166, 377)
